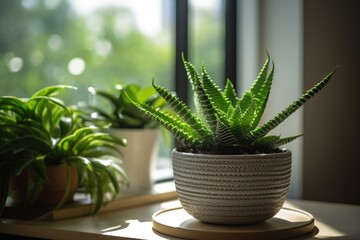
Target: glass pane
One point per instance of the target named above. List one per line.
(207, 34)
(85, 43)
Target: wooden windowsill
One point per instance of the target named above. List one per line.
(82, 205)
(332, 220)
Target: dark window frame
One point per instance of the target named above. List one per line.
(182, 45)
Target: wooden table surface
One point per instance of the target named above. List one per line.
(332, 221)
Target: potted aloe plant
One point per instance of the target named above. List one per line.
(127, 121)
(44, 142)
(228, 169)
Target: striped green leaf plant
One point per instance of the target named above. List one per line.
(224, 123)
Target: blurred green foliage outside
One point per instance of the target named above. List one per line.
(45, 43)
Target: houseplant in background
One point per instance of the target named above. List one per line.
(127, 121)
(228, 170)
(40, 136)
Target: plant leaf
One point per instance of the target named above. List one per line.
(53, 90)
(205, 106)
(283, 141)
(274, 122)
(180, 129)
(230, 93)
(183, 111)
(266, 142)
(218, 100)
(258, 92)
(224, 134)
(36, 180)
(262, 95)
(13, 104)
(105, 95)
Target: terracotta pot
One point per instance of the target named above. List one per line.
(52, 192)
(139, 156)
(232, 189)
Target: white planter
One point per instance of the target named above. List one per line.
(232, 189)
(139, 156)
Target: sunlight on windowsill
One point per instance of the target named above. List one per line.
(130, 228)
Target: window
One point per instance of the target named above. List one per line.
(210, 27)
(206, 36)
(101, 43)
(85, 43)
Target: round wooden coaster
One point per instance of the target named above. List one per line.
(286, 224)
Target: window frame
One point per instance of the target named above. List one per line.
(182, 45)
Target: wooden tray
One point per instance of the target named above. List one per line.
(286, 224)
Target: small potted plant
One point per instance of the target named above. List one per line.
(127, 121)
(229, 170)
(43, 142)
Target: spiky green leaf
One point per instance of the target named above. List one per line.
(218, 100)
(180, 129)
(183, 111)
(274, 122)
(230, 93)
(204, 103)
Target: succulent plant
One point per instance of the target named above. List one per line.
(225, 123)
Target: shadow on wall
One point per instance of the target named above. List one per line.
(331, 161)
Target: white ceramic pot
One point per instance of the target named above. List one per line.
(139, 156)
(232, 189)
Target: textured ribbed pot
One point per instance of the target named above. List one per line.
(232, 189)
